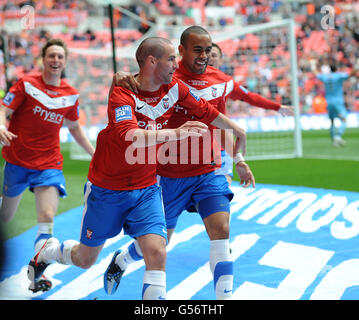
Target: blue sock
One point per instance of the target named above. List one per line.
(131, 254)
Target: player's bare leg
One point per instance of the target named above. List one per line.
(217, 225)
(47, 201)
(154, 280)
(84, 256)
(8, 207)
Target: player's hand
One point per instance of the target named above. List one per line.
(6, 137)
(125, 80)
(191, 129)
(286, 110)
(245, 174)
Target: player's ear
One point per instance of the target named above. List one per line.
(181, 49)
(152, 60)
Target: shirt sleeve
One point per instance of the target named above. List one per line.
(121, 113)
(344, 75)
(197, 107)
(321, 77)
(16, 96)
(241, 93)
(74, 112)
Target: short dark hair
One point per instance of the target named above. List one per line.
(333, 67)
(54, 42)
(218, 47)
(192, 29)
(152, 46)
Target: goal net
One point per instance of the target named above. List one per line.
(261, 57)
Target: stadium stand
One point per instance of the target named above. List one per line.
(314, 44)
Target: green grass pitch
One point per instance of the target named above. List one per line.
(322, 166)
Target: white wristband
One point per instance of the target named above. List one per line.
(2, 126)
(238, 158)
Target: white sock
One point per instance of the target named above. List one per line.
(154, 285)
(64, 254)
(44, 232)
(49, 252)
(59, 252)
(131, 254)
(221, 266)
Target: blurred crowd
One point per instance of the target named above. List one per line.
(259, 61)
(251, 11)
(46, 5)
(266, 71)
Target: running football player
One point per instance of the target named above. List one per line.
(37, 106)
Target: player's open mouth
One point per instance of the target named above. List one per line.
(201, 63)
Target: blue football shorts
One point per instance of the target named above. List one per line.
(182, 193)
(336, 110)
(17, 179)
(106, 212)
(227, 164)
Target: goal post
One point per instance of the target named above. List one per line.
(270, 135)
(295, 89)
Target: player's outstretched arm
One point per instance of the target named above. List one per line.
(80, 136)
(242, 168)
(286, 110)
(5, 135)
(224, 122)
(145, 138)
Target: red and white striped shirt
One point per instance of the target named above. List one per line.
(39, 112)
(215, 87)
(116, 165)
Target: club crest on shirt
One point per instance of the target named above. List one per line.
(123, 113)
(89, 233)
(166, 102)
